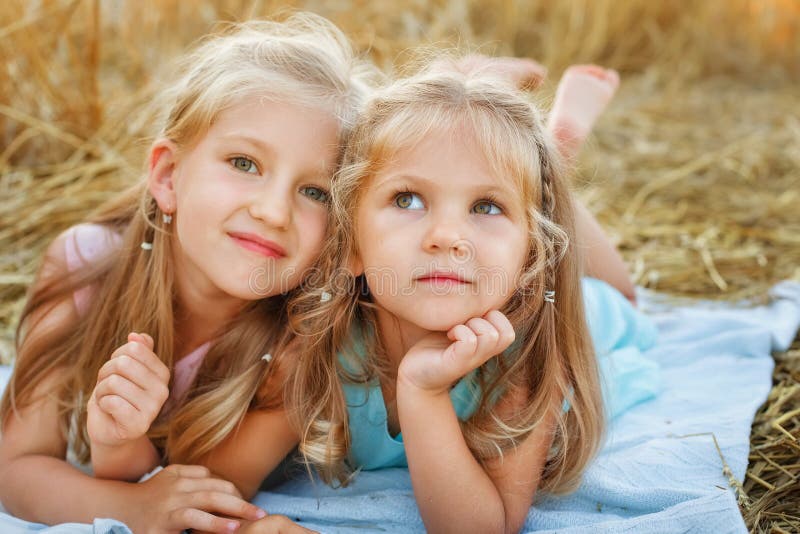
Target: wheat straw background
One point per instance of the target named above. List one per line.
(694, 170)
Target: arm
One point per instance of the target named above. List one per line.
(32, 464)
(132, 387)
(452, 489)
(130, 461)
(250, 453)
(256, 446)
(37, 484)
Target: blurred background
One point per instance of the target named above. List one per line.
(694, 170)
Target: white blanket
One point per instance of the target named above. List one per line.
(659, 470)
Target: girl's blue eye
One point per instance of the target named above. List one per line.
(484, 207)
(244, 164)
(315, 193)
(408, 201)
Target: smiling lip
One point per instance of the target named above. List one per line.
(442, 278)
(258, 244)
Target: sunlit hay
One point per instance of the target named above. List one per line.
(694, 169)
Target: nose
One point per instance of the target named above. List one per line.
(445, 233)
(272, 204)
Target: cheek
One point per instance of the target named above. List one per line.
(200, 197)
(311, 228)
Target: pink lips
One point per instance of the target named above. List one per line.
(258, 244)
(442, 278)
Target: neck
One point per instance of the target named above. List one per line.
(195, 326)
(397, 335)
(201, 312)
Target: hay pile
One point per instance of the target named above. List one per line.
(694, 170)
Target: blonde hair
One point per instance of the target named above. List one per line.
(304, 59)
(552, 361)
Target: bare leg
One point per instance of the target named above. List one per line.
(582, 95)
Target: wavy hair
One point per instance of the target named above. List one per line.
(304, 60)
(553, 361)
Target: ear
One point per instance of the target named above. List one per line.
(355, 265)
(161, 174)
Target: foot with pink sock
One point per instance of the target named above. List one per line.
(582, 95)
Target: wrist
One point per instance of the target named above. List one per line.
(408, 389)
(128, 460)
(114, 445)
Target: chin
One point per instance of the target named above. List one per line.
(440, 320)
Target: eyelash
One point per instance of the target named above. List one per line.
(233, 164)
(490, 199)
(303, 189)
(325, 192)
(398, 193)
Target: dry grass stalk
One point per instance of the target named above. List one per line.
(694, 169)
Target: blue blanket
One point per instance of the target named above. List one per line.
(659, 470)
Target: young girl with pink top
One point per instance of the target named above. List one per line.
(149, 331)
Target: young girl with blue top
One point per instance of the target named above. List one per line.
(446, 330)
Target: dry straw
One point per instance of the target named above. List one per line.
(694, 169)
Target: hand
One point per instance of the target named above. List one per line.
(438, 360)
(274, 524)
(183, 497)
(524, 73)
(131, 388)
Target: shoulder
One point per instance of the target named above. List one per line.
(76, 248)
(86, 243)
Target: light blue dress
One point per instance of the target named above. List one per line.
(619, 332)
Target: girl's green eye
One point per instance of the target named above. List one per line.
(408, 201)
(315, 193)
(244, 164)
(485, 207)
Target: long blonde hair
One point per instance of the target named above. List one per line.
(304, 60)
(552, 361)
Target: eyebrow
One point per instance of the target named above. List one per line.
(253, 141)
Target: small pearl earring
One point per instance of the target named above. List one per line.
(167, 218)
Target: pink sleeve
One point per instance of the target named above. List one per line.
(85, 244)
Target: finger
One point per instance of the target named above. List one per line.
(488, 338)
(188, 471)
(156, 391)
(122, 387)
(210, 483)
(135, 371)
(192, 518)
(143, 338)
(464, 343)
(226, 504)
(282, 524)
(140, 352)
(119, 408)
(504, 327)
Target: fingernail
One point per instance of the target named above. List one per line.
(261, 513)
(232, 526)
